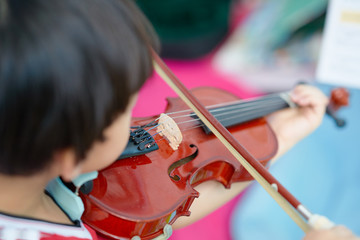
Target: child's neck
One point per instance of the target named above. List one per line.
(25, 197)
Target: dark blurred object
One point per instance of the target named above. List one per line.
(310, 27)
(188, 28)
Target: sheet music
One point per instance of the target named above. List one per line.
(339, 62)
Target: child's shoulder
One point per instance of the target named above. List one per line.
(14, 227)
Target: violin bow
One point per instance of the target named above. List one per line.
(299, 214)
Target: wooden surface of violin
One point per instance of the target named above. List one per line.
(139, 195)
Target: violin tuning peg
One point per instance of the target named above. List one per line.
(339, 98)
(339, 122)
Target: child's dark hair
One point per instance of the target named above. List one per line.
(67, 70)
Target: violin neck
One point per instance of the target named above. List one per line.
(247, 110)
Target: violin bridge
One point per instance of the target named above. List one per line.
(170, 130)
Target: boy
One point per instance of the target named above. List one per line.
(70, 71)
(69, 74)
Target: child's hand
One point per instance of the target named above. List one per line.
(312, 103)
(293, 124)
(335, 233)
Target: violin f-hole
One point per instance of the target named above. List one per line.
(181, 162)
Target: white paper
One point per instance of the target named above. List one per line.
(339, 62)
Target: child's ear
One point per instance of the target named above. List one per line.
(67, 166)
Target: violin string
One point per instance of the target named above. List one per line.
(218, 116)
(241, 107)
(247, 107)
(152, 127)
(229, 115)
(235, 111)
(150, 123)
(201, 124)
(155, 126)
(224, 107)
(229, 110)
(156, 134)
(245, 102)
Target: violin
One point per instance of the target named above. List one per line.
(152, 183)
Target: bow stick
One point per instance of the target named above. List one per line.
(300, 215)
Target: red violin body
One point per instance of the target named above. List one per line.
(139, 195)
